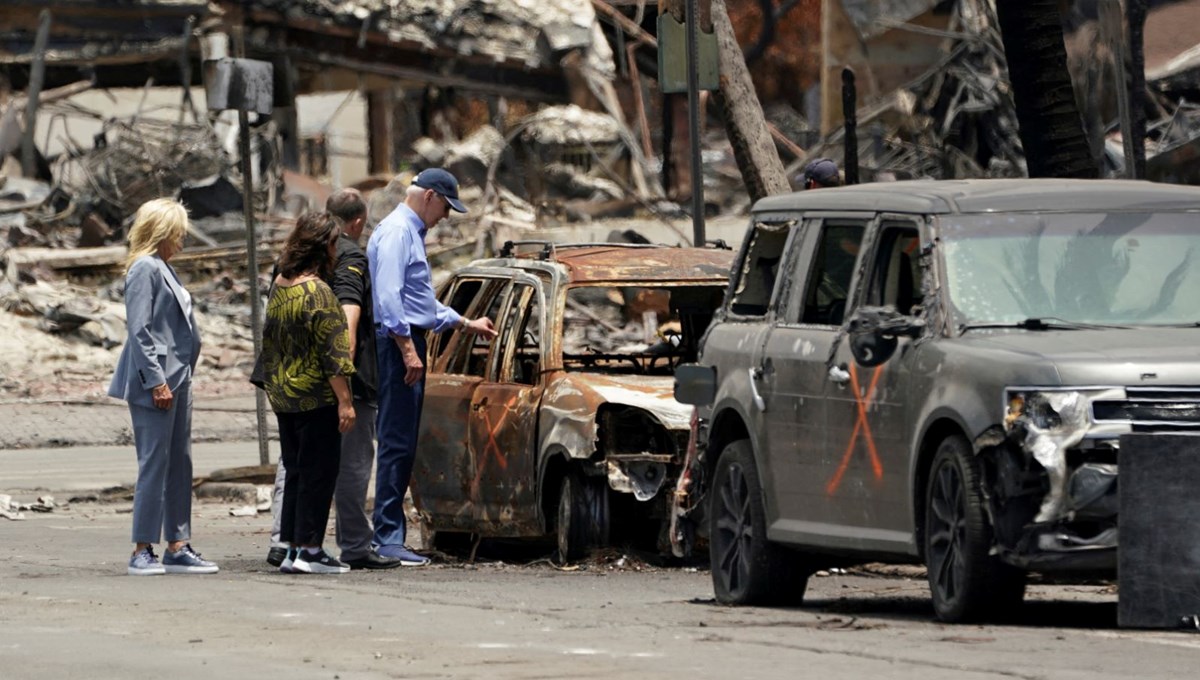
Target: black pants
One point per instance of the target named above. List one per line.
(311, 449)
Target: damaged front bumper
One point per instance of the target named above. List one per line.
(1050, 478)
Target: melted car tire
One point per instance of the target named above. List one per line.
(582, 517)
(746, 567)
(967, 582)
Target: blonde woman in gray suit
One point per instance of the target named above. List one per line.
(154, 375)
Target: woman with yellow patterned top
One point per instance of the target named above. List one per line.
(304, 369)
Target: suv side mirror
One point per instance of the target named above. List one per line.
(695, 384)
(873, 332)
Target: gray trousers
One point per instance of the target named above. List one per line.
(353, 526)
(162, 499)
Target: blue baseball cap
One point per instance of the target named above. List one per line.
(823, 171)
(443, 183)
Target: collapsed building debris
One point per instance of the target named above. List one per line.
(956, 120)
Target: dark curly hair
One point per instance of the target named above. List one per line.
(307, 247)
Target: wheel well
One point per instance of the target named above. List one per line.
(727, 427)
(937, 432)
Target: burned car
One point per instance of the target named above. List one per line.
(564, 425)
(939, 372)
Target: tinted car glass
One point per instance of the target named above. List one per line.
(1117, 268)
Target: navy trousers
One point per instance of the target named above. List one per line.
(397, 424)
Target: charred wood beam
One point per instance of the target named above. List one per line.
(313, 42)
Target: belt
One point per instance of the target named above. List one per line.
(413, 330)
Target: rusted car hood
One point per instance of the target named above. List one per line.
(652, 393)
(1104, 357)
(568, 413)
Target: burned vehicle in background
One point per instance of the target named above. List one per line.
(939, 372)
(564, 425)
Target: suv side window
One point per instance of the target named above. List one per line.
(831, 273)
(520, 334)
(896, 276)
(760, 267)
(457, 296)
(468, 354)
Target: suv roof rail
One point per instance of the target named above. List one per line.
(550, 248)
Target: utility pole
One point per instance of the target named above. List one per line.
(37, 74)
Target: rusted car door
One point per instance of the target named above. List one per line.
(795, 368)
(504, 415)
(866, 408)
(457, 364)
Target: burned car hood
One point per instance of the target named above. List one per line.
(1135, 356)
(569, 407)
(654, 394)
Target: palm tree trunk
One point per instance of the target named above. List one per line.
(1051, 127)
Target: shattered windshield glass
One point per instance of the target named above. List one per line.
(1115, 268)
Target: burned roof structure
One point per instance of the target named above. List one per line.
(503, 47)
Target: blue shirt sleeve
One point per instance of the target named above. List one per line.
(387, 283)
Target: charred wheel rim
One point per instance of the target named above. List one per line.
(947, 533)
(735, 530)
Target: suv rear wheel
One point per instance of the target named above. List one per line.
(967, 583)
(746, 567)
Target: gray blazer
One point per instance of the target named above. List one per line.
(164, 341)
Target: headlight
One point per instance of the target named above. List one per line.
(1047, 410)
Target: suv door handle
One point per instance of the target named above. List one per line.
(755, 376)
(838, 375)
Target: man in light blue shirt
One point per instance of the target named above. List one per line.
(405, 309)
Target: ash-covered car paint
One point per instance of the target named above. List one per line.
(939, 372)
(565, 424)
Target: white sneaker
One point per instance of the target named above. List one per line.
(320, 563)
(288, 566)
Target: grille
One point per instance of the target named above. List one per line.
(1152, 409)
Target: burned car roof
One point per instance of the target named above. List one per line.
(992, 195)
(645, 264)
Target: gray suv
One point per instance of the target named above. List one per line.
(938, 372)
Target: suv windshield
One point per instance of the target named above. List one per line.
(1091, 268)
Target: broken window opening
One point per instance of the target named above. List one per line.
(635, 328)
(896, 279)
(760, 268)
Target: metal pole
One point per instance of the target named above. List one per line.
(850, 113)
(691, 19)
(36, 75)
(256, 322)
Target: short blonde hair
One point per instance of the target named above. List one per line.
(156, 221)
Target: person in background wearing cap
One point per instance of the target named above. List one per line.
(406, 309)
(821, 173)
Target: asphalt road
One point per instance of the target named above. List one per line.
(70, 611)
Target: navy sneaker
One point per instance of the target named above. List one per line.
(187, 561)
(320, 563)
(145, 563)
(372, 560)
(405, 554)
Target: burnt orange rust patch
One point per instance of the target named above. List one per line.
(861, 425)
(492, 448)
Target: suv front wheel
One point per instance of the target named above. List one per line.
(746, 567)
(966, 581)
